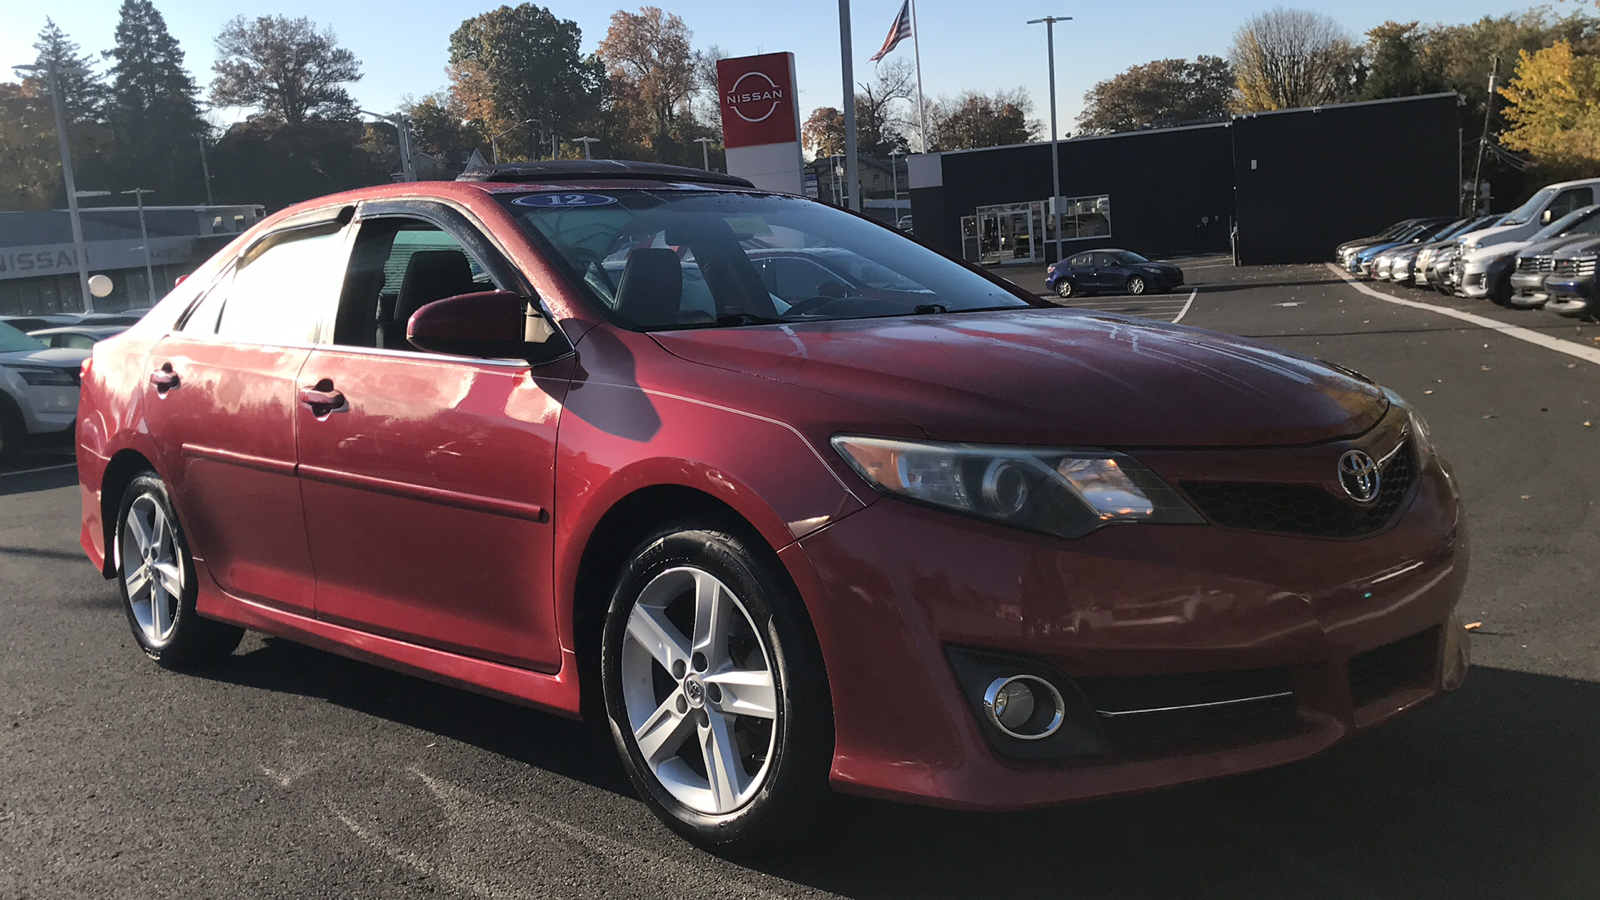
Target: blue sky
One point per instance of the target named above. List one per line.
(965, 44)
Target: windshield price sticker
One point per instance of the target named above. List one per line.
(564, 201)
(748, 226)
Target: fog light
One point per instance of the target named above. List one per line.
(1024, 707)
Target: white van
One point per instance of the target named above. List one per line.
(1479, 249)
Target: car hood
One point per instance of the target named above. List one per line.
(1578, 248)
(1054, 376)
(57, 357)
(1483, 255)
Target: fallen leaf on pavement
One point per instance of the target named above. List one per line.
(1427, 392)
(1527, 497)
(1473, 626)
(1491, 416)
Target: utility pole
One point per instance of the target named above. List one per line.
(1055, 137)
(205, 168)
(894, 176)
(852, 186)
(52, 79)
(144, 235)
(705, 152)
(1483, 142)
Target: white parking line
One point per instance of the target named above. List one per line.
(1185, 310)
(1571, 348)
(39, 469)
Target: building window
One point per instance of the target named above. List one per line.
(1085, 217)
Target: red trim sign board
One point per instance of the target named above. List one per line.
(761, 119)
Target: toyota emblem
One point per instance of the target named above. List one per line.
(1359, 476)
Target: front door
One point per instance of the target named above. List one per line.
(221, 406)
(428, 480)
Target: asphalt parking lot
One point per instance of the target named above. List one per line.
(295, 773)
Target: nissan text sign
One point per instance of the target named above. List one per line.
(761, 119)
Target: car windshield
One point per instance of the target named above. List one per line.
(1128, 257)
(12, 340)
(1527, 210)
(677, 258)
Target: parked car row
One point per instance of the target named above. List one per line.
(39, 360)
(1542, 254)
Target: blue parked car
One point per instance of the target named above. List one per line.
(1111, 271)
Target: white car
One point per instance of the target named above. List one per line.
(1481, 249)
(38, 389)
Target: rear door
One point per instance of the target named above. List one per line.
(223, 389)
(428, 480)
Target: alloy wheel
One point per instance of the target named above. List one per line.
(699, 691)
(1064, 288)
(1136, 285)
(151, 570)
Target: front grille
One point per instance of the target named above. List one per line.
(1144, 714)
(1309, 510)
(1387, 670)
(1581, 267)
(1536, 265)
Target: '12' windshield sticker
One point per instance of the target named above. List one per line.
(564, 201)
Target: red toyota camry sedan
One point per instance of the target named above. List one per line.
(607, 440)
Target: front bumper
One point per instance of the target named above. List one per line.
(1474, 283)
(1527, 289)
(894, 588)
(1570, 296)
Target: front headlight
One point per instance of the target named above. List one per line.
(1067, 493)
(42, 377)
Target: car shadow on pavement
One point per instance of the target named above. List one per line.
(1493, 792)
(27, 481)
(576, 750)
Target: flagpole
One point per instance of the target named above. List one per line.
(916, 46)
(851, 173)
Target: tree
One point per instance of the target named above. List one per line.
(1554, 109)
(284, 68)
(652, 70)
(439, 124)
(976, 120)
(83, 93)
(30, 175)
(1396, 65)
(154, 119)
(1292, 58)
(880, 125)
(516, 64)
(1159, 92)
(823, 132)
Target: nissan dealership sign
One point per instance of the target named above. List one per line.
(761, 119)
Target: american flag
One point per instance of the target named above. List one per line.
(897, 32)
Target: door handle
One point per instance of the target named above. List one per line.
(322, 399)
(164, 378)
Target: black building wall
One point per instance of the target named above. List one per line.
(1308, 179)
(1171, 190)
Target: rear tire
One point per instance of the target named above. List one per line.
(1065, 290)
(734, 719)
(156, 577)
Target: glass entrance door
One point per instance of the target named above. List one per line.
(1007, 234)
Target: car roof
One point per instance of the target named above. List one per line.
(569, 170)
(91, 330)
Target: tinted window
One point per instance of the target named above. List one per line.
(1569, 200)
(74, 341)
(1082, 259)
(278, 295)
(11, 340)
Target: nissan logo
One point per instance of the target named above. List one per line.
(1359, 476)
(762, 99)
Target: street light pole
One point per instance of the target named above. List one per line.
(494, 140)
(1055, 138)
(402, 127)
(144, 235)
(205, 168)
(52, 80)
(894, 176)
(586, 141)
(705, 152)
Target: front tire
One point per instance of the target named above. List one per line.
(715, 691)
(156, 577)
(1137, 285)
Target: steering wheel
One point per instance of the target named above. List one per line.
(810, 304)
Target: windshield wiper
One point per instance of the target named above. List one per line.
(747, 319)
(929, 309)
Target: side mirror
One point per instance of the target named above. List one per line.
(490, 324)
(1546, 217)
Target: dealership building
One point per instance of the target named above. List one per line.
(39, 264)
(1272, 187)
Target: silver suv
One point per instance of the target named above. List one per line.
(38, 389)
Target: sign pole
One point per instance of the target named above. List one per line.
(916, 47)
(851, 172)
